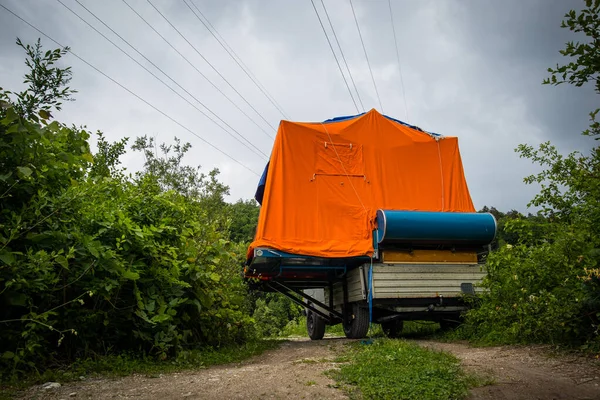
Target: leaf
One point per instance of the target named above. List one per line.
(18, 299)
(44, 114)
(24, 171)
(7, 257)
(4, 177)
(93, 249)
(8, 355)
(88, 157)
(131, 275)
(62, 260)
(215, 277)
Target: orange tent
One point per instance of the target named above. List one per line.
(326, 181)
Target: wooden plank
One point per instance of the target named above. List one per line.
(416, 289)
(427, 268)
(420, 277)
(405, 295)
(429, 256)
(421, 283)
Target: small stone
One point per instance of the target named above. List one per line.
(73, 394)
(50, 385)
(188, 394)
(82, 378)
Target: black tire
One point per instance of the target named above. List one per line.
(357, 326)
(392, 329)
(315, 326)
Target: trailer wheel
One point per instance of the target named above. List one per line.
(315, 326)
(358, 324)
(392, 329)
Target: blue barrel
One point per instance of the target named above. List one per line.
(423, 227)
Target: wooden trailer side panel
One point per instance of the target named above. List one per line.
(405, 281)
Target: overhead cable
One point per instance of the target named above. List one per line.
(398, 57)
(131, 92)
(366, 56)
(335, 56)
(197, 70)
(238, 60)
(343, 57)
(212, 66)
(250, 146)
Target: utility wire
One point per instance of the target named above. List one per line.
(131, 92)
(335, 56)
(213, 68)
(197, 70)
(239, 61)
(366, 56)
(253, 148)
(398, 57)
(343, 57)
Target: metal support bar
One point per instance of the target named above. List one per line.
(311, 299)
(345, 307)
(328, 318)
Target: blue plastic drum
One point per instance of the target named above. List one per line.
(423, 227)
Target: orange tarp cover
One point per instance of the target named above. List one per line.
(326, 182)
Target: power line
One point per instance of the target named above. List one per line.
(398, 57)
(366, 56)
(343, 57)
(131, 92)
(163, 82)
(213, 68)
(197, 70)
(243, 66)
(335, 56)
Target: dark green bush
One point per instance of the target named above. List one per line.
(94, 262)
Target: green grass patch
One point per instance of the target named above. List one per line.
(396, 369)
(127, 364)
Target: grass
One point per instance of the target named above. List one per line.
(126, 364)
(396, 369)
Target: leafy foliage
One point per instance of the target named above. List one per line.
(545, 287)
(244, 219)
(275, 315)
(94, 262)
(586, 64)
(47, 84)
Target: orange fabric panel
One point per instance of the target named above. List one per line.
(327, 181)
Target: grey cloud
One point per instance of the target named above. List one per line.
(471, 69)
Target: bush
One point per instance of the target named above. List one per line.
(94, 262)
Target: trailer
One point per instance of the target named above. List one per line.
(367, 219)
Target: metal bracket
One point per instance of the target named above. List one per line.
(333, 316)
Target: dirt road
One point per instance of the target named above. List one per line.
(295, 371)
(527, 372)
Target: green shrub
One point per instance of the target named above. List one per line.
(94, 262)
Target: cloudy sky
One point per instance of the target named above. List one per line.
(470, 68)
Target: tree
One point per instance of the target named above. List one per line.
(47, 84)
(586, 64)
(545, 287)
(244, 219)
(96, 262)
